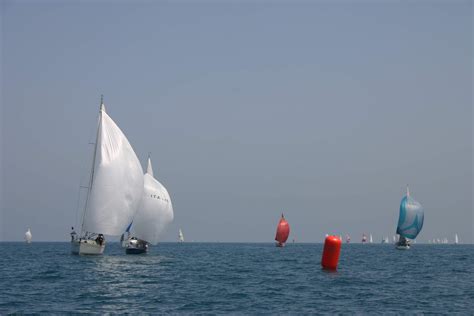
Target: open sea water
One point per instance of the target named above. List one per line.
(245, 278)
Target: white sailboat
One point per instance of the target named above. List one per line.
(456, 239)
(28, 236)
(370, 239)
(114, 191)
(154, 215)
(180, 236)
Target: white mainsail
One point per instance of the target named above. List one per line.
(28, 236)
(116, 185)
(456, 239)
(180, 236)
(155, 212)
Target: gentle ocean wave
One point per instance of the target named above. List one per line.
(237, 278)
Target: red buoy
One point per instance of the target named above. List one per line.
(332, 249)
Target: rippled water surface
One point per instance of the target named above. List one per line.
(232, 278)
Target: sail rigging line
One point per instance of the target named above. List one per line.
(77, 205)
(91, 179)
(79, 194)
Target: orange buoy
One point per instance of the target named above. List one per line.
(332, 249)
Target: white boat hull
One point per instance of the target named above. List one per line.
(87, 247)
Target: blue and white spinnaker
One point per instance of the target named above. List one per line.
(411, 217)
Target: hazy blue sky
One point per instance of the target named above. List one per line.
(323, 110)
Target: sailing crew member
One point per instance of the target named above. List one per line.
(100, 239)
(73, 234)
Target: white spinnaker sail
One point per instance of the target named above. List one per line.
(28, 236)
(155, 212)
(117, 183)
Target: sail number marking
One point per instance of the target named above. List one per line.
(154, 196)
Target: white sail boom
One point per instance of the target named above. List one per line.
(117, 183)
(155, 212)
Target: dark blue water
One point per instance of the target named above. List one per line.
(233, 278)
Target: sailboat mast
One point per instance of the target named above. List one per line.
(91, 179)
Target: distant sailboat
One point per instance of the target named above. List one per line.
(114, 191)
(410, 221)
(180, 236)
(283, 231)
(348, 239)
(370, 239)
(364, 238)
(154, 215)
(456, 239)
(28, 236)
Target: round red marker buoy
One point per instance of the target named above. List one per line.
(332, 249)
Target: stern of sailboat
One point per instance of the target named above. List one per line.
(136, 246)
(87, 247)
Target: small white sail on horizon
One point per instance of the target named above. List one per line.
(456, 239)
(180, 236)
(370, 239)
(28, 236)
